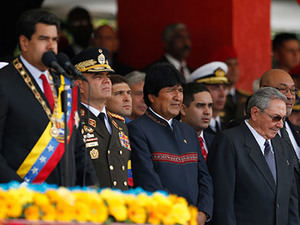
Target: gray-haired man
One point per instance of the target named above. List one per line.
(252, 174)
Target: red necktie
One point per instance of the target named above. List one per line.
(204, 153)
(47, 91)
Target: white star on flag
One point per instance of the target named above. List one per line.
(69, 95)
(50, 148)
(42, 159)
(34, 170)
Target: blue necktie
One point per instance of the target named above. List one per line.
(270, 159)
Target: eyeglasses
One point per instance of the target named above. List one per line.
(285, 91)
(275, 119)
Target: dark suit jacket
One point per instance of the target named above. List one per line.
(244, 189)
(22, 121)
(109, 156)
(296, 133)
(171, 160)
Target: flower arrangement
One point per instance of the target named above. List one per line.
(50, 203)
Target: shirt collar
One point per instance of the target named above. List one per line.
(260, 139)
(168, 121)
(95, 111)
(177, 64)
(35, 72)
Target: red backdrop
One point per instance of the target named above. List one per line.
(243, 24)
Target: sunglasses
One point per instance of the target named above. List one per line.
(275, 119)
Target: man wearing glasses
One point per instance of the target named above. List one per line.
(283, 82)
(251, 169)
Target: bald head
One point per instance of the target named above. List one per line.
(282, 81)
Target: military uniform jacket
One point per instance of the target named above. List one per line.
(109, 153)
(170, 159)
(22, 122)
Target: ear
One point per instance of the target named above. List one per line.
(254, 113)
(183, 110)
(79, 84)
(151, 98)
(24, 43)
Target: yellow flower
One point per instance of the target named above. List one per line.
(48, 213)
(137, 213)
(143, 199)
(81, 212)
(180, 214)
(40, 199)
(32, 213)
(53, 196)
(194, 214)
(67, 195)
(99, 211)
(64, 212)
(23, 194)
(3, 210)
(119, 212)
(13, 206)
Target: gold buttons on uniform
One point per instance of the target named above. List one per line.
(111, 167)
(125, 183)
(121, 152)
(123, 168)
(115, 183)
(108, 152)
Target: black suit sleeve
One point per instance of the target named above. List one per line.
(7, 173)
(221, 165)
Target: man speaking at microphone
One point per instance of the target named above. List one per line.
(32, 131)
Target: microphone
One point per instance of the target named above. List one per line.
(50, 61)
(65, 62)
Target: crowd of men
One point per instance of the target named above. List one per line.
(190, 133)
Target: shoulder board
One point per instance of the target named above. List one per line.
(116, 116)
(244, 92)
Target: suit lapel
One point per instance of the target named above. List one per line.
(258, 159)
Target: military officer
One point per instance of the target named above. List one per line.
(104, 133)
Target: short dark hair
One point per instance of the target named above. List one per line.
(117, 79)
(280, 38)
(28, 20)
(160, 75)
(190, 89)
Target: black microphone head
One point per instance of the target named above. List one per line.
(62, 58)
(48, 58)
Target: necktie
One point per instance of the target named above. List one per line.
(204, 153)
(101, 116)
(270, 159)
(47, 91)
(217, 127)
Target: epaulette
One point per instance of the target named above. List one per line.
(116, 116)
(244, 92)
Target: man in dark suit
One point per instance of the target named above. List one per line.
(196, 111)
(166, 153)
(177, 45)
(282, 81)
(32, 131)
(104, 133)
(251, 170)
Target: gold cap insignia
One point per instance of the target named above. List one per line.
(219, 72)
